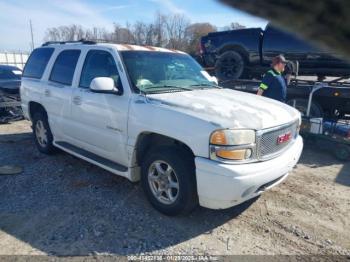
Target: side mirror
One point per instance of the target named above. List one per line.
(103, 85)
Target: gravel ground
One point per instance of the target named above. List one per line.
(61, 205)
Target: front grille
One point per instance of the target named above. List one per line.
(268, 145)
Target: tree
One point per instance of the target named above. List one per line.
(171, 31)
(64, 33)
(96, 33)
(175, 29)
(158, 29)
(194, 32)
(73, 33)
(123, 35)
(140, 32)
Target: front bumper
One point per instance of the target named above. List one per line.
(222, 186)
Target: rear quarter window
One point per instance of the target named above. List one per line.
(64, 67)
(37, 62)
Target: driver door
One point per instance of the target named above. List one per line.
(99, 120)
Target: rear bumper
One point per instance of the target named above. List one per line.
(222, 186)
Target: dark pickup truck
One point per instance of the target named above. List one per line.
(247, 53)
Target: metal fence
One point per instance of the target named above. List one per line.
(18, 59)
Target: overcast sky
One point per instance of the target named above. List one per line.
(15, 16)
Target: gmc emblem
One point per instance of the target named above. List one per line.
(284, 138)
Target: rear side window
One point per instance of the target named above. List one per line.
(64, 67)
(37, 62)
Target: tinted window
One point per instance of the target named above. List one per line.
(64, 67)
(98, 64)
(37, 62)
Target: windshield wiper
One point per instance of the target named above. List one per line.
(205, 86)
(166, 87)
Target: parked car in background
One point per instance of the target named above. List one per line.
(10, 82)
(247, 53)
(10, 79)
(155, 115)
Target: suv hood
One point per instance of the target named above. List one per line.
(228, 108)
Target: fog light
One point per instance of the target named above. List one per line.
(248, 153)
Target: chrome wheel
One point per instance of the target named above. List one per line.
(41, 133)
(163, 182)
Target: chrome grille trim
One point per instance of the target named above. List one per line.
(267, 146)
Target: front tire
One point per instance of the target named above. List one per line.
(229, 66)
(342, 152)
(168, 180)
(42, 134)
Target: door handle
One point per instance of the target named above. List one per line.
(47, 92)
(77, 100)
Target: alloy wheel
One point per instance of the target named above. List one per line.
(41, 133)
(163, 182)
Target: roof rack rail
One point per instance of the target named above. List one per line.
(81, 41)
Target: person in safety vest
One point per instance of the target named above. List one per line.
(274, 84)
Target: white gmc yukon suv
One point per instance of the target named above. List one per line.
(155, 115)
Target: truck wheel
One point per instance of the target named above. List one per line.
(301, 104)
(342, 152)
(168, 180)
(42, 134)
(229, 66)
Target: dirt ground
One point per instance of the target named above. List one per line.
(60, 205)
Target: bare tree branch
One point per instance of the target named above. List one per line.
(171, 31)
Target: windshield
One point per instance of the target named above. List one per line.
(153, 72)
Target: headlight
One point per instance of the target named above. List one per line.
(229, 137)
(232, 145)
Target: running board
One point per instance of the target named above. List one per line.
(92, 158)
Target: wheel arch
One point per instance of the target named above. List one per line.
(147, 140)
(35, 107)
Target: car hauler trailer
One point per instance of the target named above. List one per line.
(329, 134)
(325, 107)
(333, 100)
